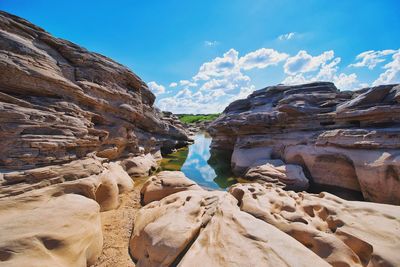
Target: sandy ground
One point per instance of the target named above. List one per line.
(117, 228)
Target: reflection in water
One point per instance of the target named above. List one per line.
(211, 168)
(211, 171)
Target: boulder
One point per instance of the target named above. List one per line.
(41, 229)
(164, 184)
(288, 176)
(243, 158)
(140, 166)
(203, 228)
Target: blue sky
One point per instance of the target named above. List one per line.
(197, 56)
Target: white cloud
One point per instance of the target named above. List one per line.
(156, 88)
(346, 82)
(261, 58)
(219, 67)
(323, 67)
(211, 43)
(286, 36)
(304, 62)
(224, 79)
(392, 73)
(187, 83)
(371, 58)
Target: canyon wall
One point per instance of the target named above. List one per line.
(65, 114)
(347, 139)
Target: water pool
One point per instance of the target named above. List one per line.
(210, 169)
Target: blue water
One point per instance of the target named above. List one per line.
(195, 163)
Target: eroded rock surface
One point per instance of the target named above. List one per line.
(42, 229)
(164, 184)
(213, 230)
(65, 114)
(344, 233)
(340, 138)
(140, 166)
(59, 102)
(258, 224)
(288, 176)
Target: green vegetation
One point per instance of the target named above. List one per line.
(193, 118)
(174, 161)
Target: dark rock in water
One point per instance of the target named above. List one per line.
(340, 138)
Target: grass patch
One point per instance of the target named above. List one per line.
(193, 118)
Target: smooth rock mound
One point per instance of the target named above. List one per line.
(203, 228)
(164, 184)
(45, 230)
(140, 166)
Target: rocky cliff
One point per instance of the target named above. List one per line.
(60, 102)
(349, 139)
(65, 114)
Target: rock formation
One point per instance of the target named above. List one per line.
(59, 102)
(263, 225)
(288, 176)
(166, 183)
(65, 113)
(344, 233)
(340, 138)
(76, 127)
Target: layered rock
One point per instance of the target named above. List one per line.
(288, 176)
(65, 114)
(59, 225)
(340, 138)
(59, 102)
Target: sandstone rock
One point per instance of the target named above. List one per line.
(344, 233)
(140, 166)
(64, 113)
(288, 176)
(243, 158)
(41, 229)
(164, 184)
(213, 230)
(59, 224)
(59, 102)
(18, 182)
(346, 139)
(373, 172)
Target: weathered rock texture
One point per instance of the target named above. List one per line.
(344, 233)
(263, 225)
(45, 230)
(213, 230)
(288, 176)
(164, 184)
(340, 138)
(65, 113)
(59, 102)
(59, 225)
